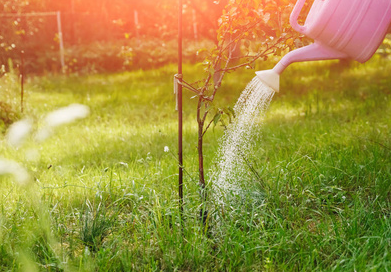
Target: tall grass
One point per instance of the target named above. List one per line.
(104, 194)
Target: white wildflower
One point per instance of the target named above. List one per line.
(59, 117)
(67, 115)
(166, 149)
(124, 164)
(8, 167)
(43, 134)
(18, 132)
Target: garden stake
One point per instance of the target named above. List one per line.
(179, 108)
(178, 84)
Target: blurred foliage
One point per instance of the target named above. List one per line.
(113, 56)
(385, 48)
(101, 29)
(9, 96)
(103, 35)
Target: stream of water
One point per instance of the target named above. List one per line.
(238, 141)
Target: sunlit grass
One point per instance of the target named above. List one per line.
(104, 191)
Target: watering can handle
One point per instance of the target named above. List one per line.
(293, 20)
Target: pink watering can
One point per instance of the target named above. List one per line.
(341, 29)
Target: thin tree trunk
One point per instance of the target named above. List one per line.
(203, 215)
(200, 122)
(201, 156)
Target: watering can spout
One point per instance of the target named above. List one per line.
(315, 51)
(270, 78)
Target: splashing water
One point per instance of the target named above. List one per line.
(238, 139)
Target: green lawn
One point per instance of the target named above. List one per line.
(104, 195)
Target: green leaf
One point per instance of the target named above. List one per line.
(232, 111)
(216, 118)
